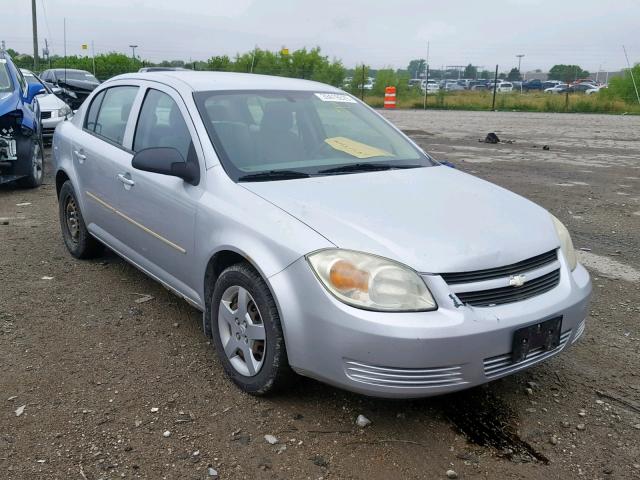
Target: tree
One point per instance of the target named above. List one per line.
(219, 63)
(385, 77)
(567, 73)
(514, 75)
(622, 87)
(360, 74)
(486, 74)
(470, 71)
(417, 68)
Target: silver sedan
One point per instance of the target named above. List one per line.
(314, 236)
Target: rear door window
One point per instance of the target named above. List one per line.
(109, 112)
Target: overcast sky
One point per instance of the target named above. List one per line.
(380, 33)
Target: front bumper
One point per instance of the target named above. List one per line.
(416, 354)
(49, 126)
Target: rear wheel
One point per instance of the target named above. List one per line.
(247, 333)
(36, 171)
(76, 237)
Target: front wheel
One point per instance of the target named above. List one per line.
(247, 334)
(36, 170)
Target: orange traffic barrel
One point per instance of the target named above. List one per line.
(390, 97)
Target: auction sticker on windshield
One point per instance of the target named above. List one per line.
(335, 97)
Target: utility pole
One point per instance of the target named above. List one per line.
(93, 58)
(45, 52)
(495, 86)
(34, 25)
(520, 55)
(633, 78)
(426, 80)
(133, 51)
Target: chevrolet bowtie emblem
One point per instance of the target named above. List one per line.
(516, 281)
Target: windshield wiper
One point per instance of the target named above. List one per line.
(367, 167)
(273, 175)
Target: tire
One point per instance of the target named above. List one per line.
(36, 170)
(80, 243)
(269, 370)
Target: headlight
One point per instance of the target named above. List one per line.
(64, 111)
(566, 245)
(371, 282)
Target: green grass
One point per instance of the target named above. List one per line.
(515, 101)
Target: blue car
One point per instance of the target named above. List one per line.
(21, 152)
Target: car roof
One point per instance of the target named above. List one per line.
(69, 70)
(199, 81)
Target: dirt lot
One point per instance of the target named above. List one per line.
(100, 378)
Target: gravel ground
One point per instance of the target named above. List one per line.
(107, 387)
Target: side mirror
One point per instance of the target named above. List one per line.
(166, 161)
(34, 89)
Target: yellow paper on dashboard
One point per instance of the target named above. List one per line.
(356, 149)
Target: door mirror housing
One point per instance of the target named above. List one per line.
(166, 161)
(34, 89)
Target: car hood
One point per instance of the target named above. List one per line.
(78, 85)
(434, 219)
(50, 102)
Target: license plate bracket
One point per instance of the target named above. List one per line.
(545, 335)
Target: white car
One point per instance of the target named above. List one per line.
(501, 86)
(558, 88)
(52, 109)
(430, 86)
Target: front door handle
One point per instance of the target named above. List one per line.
(124, 178)
(80, 156)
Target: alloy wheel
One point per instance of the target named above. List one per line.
(242, 331)
(37, 164)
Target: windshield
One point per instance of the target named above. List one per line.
(76, 75)
(5, 79)
(256, 133)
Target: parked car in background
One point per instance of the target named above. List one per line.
(285, 210)
(583, 88)
(478, 85)
(595, 89)
(517, 85)
(368, 85)
(430, 85)
(414, 82)
(550, 84)
(52, 109)
(75, 85)
(453, 86)
(534, 84)
(558, 88)
(21, 152)
(501, 86)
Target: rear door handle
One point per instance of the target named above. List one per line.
(126, 180)
(80, 156)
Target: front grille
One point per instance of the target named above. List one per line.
(501, 365)
(502, 295)
(499, 272)
(44, 115)
(404, 377)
